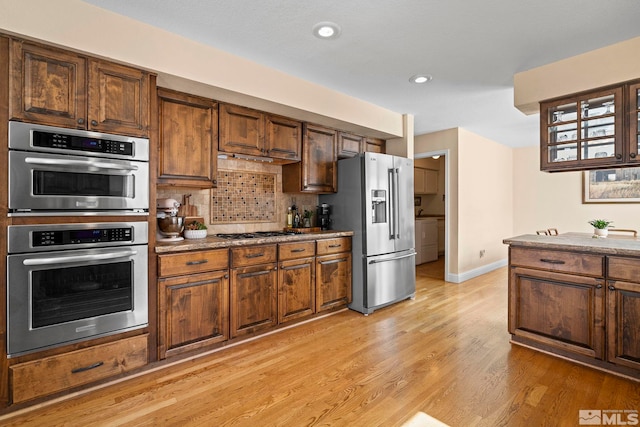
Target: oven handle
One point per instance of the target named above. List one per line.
(81, 163)
(81, 258)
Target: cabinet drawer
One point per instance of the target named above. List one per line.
(619, 268)
(253, 255)
(566, 262)
(193, 262)
(297, 250)
(333, 246)
(56, 373)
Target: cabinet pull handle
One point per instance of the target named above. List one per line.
(333, 261)
(551, 261)
(87, 368)
(202, 261)
(80, 121)
(632, 155)
(257, 273)
(612, 288)
(335, 246)
(598, 286)
(94, 123)
(254, 255)
(298, 250)
(294, 267)
(618, 156)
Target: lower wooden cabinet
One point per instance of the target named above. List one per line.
(333, 281)
(253, 299)
(49, 375)
(194, 312)
(560, 310)
(296, 290)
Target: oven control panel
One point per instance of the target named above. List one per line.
(74, 237)
(81, 143)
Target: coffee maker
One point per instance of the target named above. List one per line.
(324, 216)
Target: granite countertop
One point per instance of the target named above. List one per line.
(212, 242)
(583, 242)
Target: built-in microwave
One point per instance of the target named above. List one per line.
(68, 171)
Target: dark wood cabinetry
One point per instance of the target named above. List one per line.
(255, 133)
(296, 275)
(375, 145)
(188, 134)
(193, 301)
(623, 315)
(60, 88)
(317, 172)
(567, 302)
(333, 273)
(591, 130)
(253, 289)
(349, 145)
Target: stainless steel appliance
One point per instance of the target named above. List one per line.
(67, 171)
(70, 282)
(375, 200)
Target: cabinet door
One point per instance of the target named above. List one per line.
(419, 178)
(375, 145)
(319, 171)
(634, 123)
(349, 145)
(194, 312)
(253, 299)
(283, 138)
(241, 130)
(119, 99)
(333, 281)
(623, 320)
(296, 290)
(583, 132)
(559, 310)
(47, 86)
(430, 181)
(188, 139)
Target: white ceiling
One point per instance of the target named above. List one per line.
(471, 47)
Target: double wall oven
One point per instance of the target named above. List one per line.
(75, 269)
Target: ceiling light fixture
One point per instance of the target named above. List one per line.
(421, 78)
(326, 30)
(435, 157)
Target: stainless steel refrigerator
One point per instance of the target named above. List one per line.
(375, 200)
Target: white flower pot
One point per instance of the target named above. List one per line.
(601, 232)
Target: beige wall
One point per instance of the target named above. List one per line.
(543, 200)
(199, 69)
(609, 65)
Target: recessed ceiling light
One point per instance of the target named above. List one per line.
(326, 30)
(421, 78)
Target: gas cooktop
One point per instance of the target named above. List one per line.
(256, 234)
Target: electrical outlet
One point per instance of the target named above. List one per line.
(481, 253)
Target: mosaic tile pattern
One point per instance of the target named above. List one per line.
(244, 196)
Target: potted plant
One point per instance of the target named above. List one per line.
(195, 230)
(600, 227)
(307, 218)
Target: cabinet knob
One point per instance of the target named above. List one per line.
(612, 288)
(632, 155)
(81, 121)
(618, 156)
(598, 286)
(94, 123)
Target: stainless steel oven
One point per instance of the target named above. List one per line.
(69, 172)
(71, 282)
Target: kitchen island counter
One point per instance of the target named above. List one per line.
(213, 242)
(582, 242)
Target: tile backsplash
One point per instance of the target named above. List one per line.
(244, 196)
(262, 219)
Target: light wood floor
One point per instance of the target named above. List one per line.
(445, 354)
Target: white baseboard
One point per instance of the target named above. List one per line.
(459, 278)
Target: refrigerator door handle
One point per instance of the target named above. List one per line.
(392, 208)
(396, 202)
(376, 261)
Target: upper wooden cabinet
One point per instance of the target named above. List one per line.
(375, 145)
(188, 133)
(349, 145)
(317, 172)
(591, 130)
(60, 88)
(254, 133)
(425, 181)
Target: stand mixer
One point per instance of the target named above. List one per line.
(170, 225)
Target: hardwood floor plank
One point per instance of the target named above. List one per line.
(445, 354)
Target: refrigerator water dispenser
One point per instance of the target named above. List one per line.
(378, 206)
